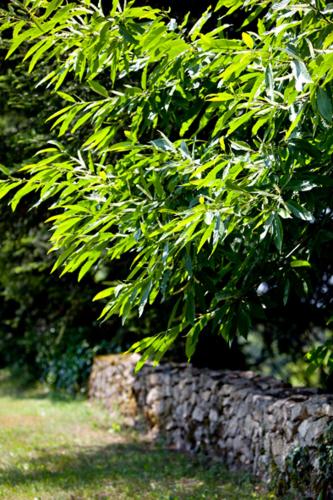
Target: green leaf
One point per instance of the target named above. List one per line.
(300, 263)
(42, 48)
(66, 96)
(243, 321)
(192, 336)
(206, 236)
(241, 120)
(299, 211)
(248, 40)
(6, 187)
(4, 169)
(104, 293)
(26, 189)
(98, 88)
(52, 6)
(97, 138)
(93, 257)
(277, 232)
(301, 74)
(269, 81)
(220, 97)
(324, 104)
(144, 297)
(29, 34)
(286, 292)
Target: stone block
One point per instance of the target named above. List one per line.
(198, 414)
(154, 395)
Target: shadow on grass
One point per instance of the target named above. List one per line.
(142, 467)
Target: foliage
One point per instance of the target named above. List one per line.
(321, 357)
(295, 363)
(48, 326)
(67, 369)
(204, 160)
(309, 471)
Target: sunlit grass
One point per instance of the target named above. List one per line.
(57, 448)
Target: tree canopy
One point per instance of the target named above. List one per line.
(202, 156)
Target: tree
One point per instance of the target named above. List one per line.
(205, 160)
(48, 326)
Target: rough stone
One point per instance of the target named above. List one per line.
(213, 415)
(299, 412)
(154, 395)
(250, 421)
(198, 414)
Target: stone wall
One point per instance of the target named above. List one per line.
(248, 420)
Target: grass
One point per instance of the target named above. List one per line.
(59, 448)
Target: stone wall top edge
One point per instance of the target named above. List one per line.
(114, 357)
(249, 380)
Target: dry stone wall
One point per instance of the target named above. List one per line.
(248, 420)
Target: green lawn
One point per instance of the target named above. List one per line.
(53, 448)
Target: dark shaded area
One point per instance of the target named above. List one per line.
(305, 317)
(213, 352)
(175, 7)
